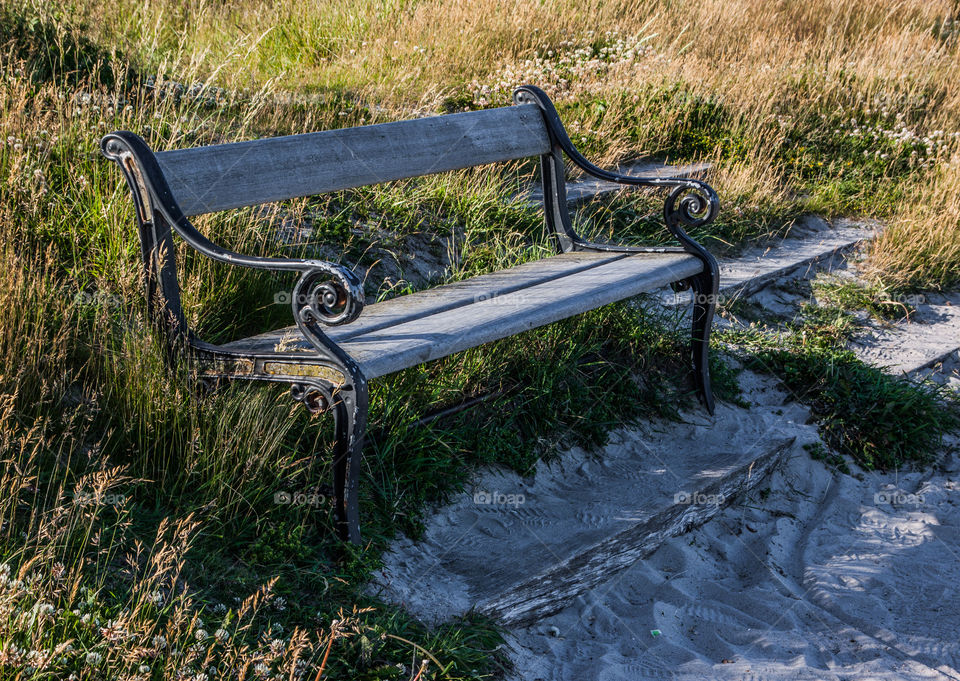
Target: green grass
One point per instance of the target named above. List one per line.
(130, 496)
(878, 301)
(880, 421)
(92, 401)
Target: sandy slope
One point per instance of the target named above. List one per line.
(819, 578)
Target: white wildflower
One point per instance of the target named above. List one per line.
(44, 608)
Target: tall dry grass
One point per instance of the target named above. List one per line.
(781, 74)
(833, 106)
(920, 247)
(137, 514)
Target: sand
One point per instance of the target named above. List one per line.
(823, 576)
(811, 574)
(497, 556)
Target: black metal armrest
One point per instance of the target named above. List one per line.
(326, 292)
(691, 203)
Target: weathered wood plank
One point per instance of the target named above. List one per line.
(427, 338)
(587, 187)
(550, 591)
(220, 177)
(439, 299)
(428, 325)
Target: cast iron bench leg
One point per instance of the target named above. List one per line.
(704, 287)
(348, 405)
(350, 415)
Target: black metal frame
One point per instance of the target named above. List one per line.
(329, 293)
(691, 203)
(326, 293)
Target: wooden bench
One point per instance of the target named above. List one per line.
(331, 352)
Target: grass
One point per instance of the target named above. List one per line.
(878, 301)
(150, 531)
(880, 421)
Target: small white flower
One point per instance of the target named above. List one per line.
(222, 634)
(93, 659)
(85, 619)
(144, 669)
(159, 642)
(201, 634)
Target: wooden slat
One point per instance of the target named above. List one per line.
(435, 336)
(419, 338)
(220, 177)
(432, 301)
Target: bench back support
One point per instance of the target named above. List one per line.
(220, 177)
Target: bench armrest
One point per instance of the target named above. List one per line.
(326, 292)
(691, 203)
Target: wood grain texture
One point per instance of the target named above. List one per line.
(550, 591)
(439, 299)
(418, 328)
(220, 177)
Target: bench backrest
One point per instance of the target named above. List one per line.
(220, 177)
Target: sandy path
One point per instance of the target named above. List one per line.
(822, 577)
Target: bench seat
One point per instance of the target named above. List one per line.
(417, 328)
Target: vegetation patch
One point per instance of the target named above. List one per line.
(152, 531)
(881, 421)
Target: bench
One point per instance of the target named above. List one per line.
(333, 350)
